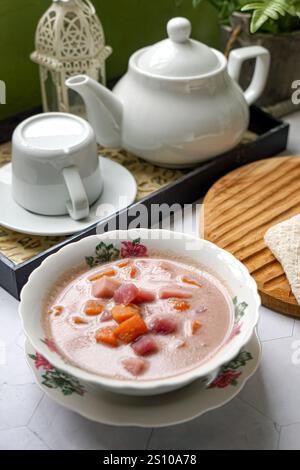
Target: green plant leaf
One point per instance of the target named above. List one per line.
(266, 10)
(58, 380)
(297, 9)
(271, 16)
(103, 254)
(90, 261)
(239, 309)
(240, 361)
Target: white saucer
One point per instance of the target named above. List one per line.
(164, 410)
(119, 192)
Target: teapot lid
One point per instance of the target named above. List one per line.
(178, 56)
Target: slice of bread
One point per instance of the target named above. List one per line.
(284, 242)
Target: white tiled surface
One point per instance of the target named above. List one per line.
(266, 415)
(62, 429)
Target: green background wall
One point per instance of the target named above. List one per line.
(128, 25)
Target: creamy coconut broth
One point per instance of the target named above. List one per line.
(139, 319)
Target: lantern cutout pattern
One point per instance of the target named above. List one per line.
(69, 41)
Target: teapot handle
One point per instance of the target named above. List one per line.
(263, 60)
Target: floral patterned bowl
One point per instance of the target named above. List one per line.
(135, 243)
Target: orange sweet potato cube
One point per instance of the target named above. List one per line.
(107, 336)
(123, 264)
(196, 327)
(131, 329)
(191, 282)
(122, 313)
(133, 272)
(96, 277)
(93, 308)
(181, 305)
(79, 321)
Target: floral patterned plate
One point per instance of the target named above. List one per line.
(119, 244)
(158, 411)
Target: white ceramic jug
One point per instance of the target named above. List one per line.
(179, 103)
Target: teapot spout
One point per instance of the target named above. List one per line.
(104, 110)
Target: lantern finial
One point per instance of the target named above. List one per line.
(69, 41)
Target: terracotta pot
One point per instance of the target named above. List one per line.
(285, 53)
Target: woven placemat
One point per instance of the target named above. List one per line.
(19, 247)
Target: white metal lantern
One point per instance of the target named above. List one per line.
(69, 41)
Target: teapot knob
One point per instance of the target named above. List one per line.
(179, 29)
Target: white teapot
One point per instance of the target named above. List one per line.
(179, 103)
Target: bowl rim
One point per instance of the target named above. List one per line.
(134, 385)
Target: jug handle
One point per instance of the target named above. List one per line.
(263, 60)
(78, 205)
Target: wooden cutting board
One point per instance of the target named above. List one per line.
(241, 207)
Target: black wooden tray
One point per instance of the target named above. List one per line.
(272, 139)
